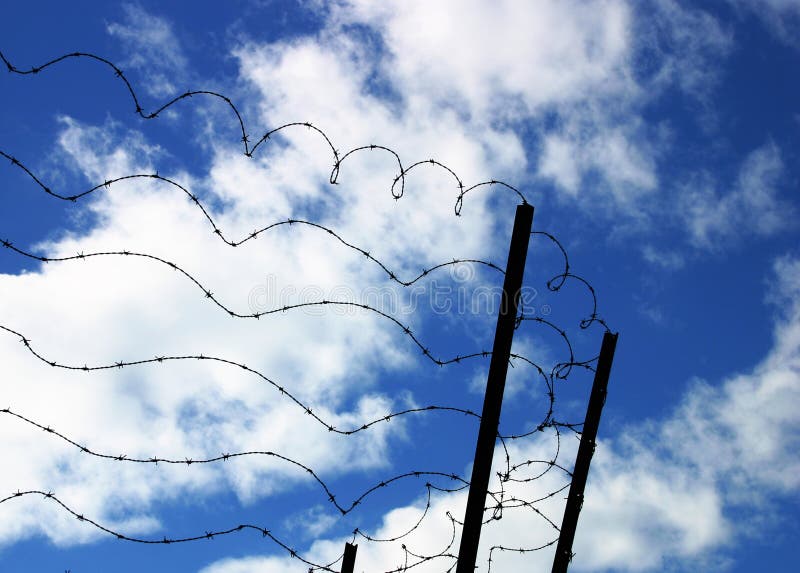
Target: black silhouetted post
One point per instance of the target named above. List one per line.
(585, 452)
(349, 559)
(493, 400)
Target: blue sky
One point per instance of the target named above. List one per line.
(656, 140)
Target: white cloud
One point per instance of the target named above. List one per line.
(571, 59)
(752, 206)
(581, 74)
(108, 309)
(551, 52)
(585, 70)
(681, 46)
(588, 145)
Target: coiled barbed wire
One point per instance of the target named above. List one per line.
(249, 150)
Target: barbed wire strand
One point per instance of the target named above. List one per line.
(338, 158)
(223, 457)
(195, 200)
(207, 535)
(561, 369)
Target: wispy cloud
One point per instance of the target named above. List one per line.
(664, 259)
(753, 206)
(782, 17)
(153, 49)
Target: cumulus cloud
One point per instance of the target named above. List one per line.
(551, 51)
(582, 72)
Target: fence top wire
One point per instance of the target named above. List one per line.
(398, 184)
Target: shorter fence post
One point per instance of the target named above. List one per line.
(349, 559)
(585, 452)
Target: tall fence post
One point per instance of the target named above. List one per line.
(493, 400)
(349, 559)
(585, 452)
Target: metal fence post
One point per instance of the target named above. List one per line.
(349, 559)
(493, 400)
(585, 452)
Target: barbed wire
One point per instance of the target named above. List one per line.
(500, 501)
(555, 284)
(507, 476)
(254, 234)
(561, 369)
(281, 389)
(520, 550)
(207, 535)
(499, 505)
(249, 150)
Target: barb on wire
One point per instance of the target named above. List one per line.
(208, 294)
(520, 550)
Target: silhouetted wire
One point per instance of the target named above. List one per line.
(245, 138)
(207, 535)
(283, 391)
(504, 477)
(209, 295)
(520, 550)
(255, 315)
(560, 370)
(555, 283)
(330, 496)
(217, 231)
(497, 508)
(443, 553)
(308, 410)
